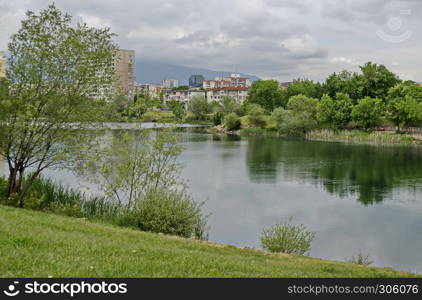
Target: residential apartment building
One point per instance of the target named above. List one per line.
(183, 96)
(2, 65)
(124, 64)
(152, 90)
(196, 80)
(233, 86)
(233, 81)
(170, 83)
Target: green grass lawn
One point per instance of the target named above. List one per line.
(36, 244)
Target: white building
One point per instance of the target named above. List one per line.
(238, 93)
(170, 83)
(153, 90)
(183, 96)
(233, 86)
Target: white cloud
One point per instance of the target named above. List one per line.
(270, 38)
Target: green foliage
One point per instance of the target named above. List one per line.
(256, 115)
(217, 118)
(266, 93)
(138, 109)
(199, 107)
(181, 88)
(302, 104)
(377, 80)
(177, 108)
(293, 123)
(169, 212)
(404, 105)
(304, 87)
(68, 72)
(361, 259)
(367, 112)
(232, 122)
(335, 113)
(287, 238)
(344, 82)
(229, 105)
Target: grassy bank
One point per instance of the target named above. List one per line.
(37, 244)
(375, 137)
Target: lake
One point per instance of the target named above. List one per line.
(355, 197)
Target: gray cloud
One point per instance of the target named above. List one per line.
(281, 39)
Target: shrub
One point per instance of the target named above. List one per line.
(169, 212)
(232, 122)
(301, 104)
(199, 107)
(290, 123)
(256, 115)
(361, 259)
(287, 238)
(217, 118)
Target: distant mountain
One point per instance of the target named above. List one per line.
(154, 72)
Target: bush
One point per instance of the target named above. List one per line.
(199, 107)
(287, 238)
(290, 123)
(256, 115)
(169, 212)
(232, 122)
(217, 118)
(361, 259)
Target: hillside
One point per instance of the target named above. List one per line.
(36, 244)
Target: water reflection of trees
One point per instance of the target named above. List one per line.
(369, 172)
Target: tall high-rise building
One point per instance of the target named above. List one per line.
(124, 64)
(170, 83)
(196, 80)
(2, 65)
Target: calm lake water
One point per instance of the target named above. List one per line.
(355, 197)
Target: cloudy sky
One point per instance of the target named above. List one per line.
(280, 39)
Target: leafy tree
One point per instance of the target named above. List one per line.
(121, 103)
(303, 104)
(217, 118)
(404, 111)
(177, 108)
(138, 109)
(266, 93)
(199, 107)
(229, 105)
(326, 110)
(293, 123)
(181, 88)
(304, 87)
(335, 113)
(256, 115)
(56, 75)
(367, 112)
(344, 82)
(377, 80)
(232, 121)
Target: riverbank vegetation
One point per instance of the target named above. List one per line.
(38, 244)
(373, 105)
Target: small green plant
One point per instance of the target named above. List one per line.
(287, 238)
(217, 118)
(361, 259)
(169, 212)
(232, 122)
